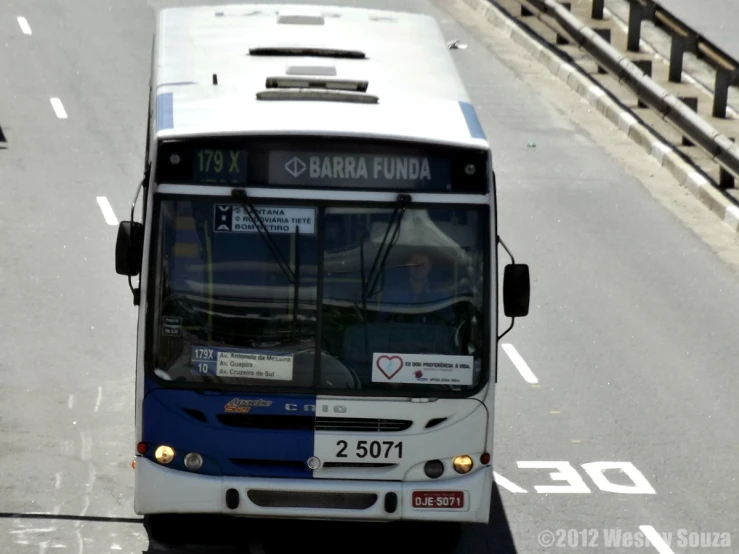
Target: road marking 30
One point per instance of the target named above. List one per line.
(576, 484)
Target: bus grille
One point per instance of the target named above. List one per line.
(310, 499)
(361, 425)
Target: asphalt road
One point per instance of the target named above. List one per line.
(630, 345)
(718, 20)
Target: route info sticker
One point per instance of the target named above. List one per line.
(427, 369)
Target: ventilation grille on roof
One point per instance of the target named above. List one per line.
(308, 82)
(306, 51)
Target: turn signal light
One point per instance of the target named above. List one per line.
(193, 461)
(485, 458)
(433, 469)
(141, 448)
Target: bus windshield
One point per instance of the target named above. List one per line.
(332, 298)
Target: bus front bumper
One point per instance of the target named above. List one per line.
(159, 490)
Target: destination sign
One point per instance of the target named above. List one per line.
(325, 162)
(363, 170)
(218, 165)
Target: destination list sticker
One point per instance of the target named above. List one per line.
(428, 369)
(243, 364)
(231, 218)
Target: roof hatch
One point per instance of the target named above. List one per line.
(327, 70)
(300, 17)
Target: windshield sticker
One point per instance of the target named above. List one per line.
(230, 218)
(171, 326)
(244, 364)
(427, 369)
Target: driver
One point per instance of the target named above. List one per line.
(416, 285)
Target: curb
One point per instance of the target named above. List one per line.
(686, 175)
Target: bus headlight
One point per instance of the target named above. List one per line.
(193, 461)
(164, 454)
(462, 464)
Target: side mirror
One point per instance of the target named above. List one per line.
(516, 290)
(129, 248)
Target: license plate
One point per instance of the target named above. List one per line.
(438, 500)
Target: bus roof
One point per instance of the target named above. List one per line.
(207, 75)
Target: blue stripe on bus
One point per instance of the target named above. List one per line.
(165, 111)
(473, 123)
(272, 436)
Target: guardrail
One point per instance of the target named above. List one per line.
(637, 74)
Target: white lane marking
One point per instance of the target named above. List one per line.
(506, 484)
(58, 480)
(59, 110)
(85, 446)
(99, 398)
(70, 401)
(108, 213)
(657, 541)
(520, 364)
(25, 27)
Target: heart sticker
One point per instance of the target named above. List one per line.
(389, 366)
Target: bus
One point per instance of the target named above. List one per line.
(315, 266)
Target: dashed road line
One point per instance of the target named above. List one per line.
(520, 363)
(107, 210)
(99, 398)
(25, 27)
(655, 538)
(59, 110)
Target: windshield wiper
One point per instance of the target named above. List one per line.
(292, 276)
(265, 235)
(378, 265)
(296, 282)
(393, 227)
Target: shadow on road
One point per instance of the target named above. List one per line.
(11, 515)
(227, 535)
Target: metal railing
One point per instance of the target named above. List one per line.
(637, 74)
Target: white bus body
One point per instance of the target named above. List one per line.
(226, 360)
